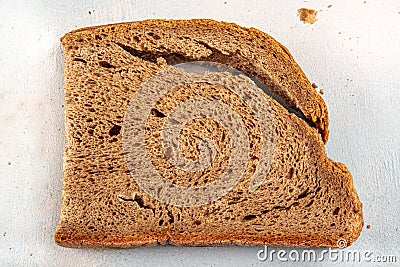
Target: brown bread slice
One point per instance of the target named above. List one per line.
(305, 200)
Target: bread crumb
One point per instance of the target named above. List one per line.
(339, 32)
(322, 91)
(368, 226)
(307, 15)
(314, 85)
(329, 6)
(9, 163)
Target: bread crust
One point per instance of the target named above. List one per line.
(88, 179)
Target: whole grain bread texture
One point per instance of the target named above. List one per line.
(306, 199)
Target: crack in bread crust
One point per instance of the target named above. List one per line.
(270, 61)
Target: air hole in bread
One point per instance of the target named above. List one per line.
(153, 35)
(171, 217)
(115, 130)
(80, 60)
(249, 217)
(310, 203)
(303, 194)
(291, 172)
(336, 211)
(106, 65)
(157, 113)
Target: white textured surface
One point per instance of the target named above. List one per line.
(358, 69)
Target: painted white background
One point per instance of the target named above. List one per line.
(359, 69)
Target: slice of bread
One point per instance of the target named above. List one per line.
(304, 199)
